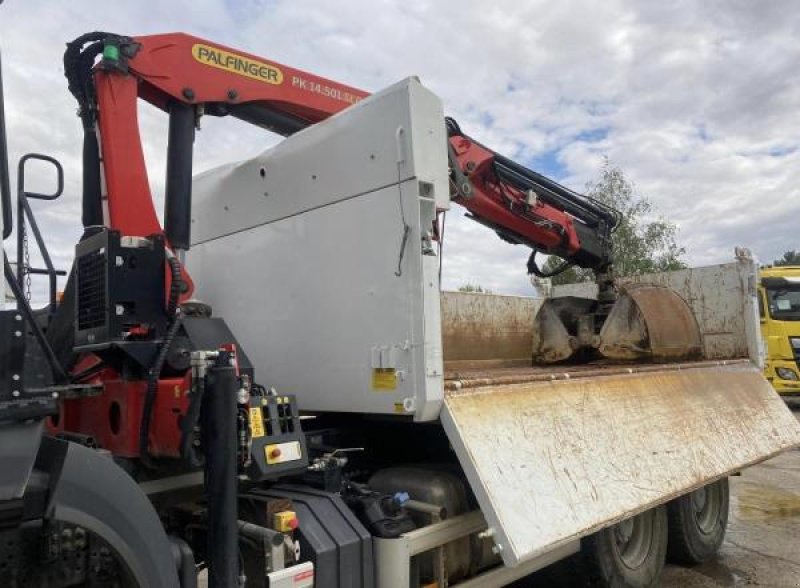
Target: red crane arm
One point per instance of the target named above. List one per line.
(218, 80)
(179, 71)
(519, 216)
(525, 207)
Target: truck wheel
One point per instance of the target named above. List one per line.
(697, 523)
(630, 554)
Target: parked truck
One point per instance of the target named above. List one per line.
(779, 310)
(346, 424)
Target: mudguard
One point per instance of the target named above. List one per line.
(95, 493)
(19, 444)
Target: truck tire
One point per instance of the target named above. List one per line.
(697, 523)
(630, 554)
(92, 492)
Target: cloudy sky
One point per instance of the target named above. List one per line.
(697, 101)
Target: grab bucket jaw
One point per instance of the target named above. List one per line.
(646, 323)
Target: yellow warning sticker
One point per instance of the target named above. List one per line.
(384, 379)
(238, 64)
(256, 423)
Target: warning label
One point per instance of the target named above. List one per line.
(384, 379)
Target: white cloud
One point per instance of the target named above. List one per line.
(696, 101)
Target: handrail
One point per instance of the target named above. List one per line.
(25, 213)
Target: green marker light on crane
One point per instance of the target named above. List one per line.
(111, 52)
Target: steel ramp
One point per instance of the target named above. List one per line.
(552, 460)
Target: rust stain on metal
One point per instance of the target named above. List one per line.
(584, 452)
(651, 323)
(551, 341)
(480, 376)
(715, 295)
(486, 327)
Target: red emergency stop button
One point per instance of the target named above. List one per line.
(285, 521)
(275, 453)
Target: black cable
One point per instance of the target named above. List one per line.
(453, 129)
(175, 287)
(79, 58)
(158, 364)
(533, 267)
(502, 188)
(5, 189)
(406, 228)
(189, 422)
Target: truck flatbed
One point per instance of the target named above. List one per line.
(360, 325)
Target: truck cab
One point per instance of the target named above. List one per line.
(779, 310)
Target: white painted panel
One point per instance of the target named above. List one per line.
(315, 278)
(314, 307)
(383, 139)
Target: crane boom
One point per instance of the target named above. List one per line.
(188, 77)
(526, 207)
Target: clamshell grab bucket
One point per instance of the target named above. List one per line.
(646, 323)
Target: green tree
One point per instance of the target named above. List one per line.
(477, 288)
(640, 244)
(789, 258)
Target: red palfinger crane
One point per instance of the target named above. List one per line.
(147, 374)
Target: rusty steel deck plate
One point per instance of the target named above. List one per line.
(551, 461)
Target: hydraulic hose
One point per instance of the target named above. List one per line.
(158, 364)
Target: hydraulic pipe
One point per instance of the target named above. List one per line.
(272, 120)
(569, 201)
(178, 199)
(184, 562)
(219, 440)
(92, 199)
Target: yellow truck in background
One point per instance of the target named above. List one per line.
(779, 309)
